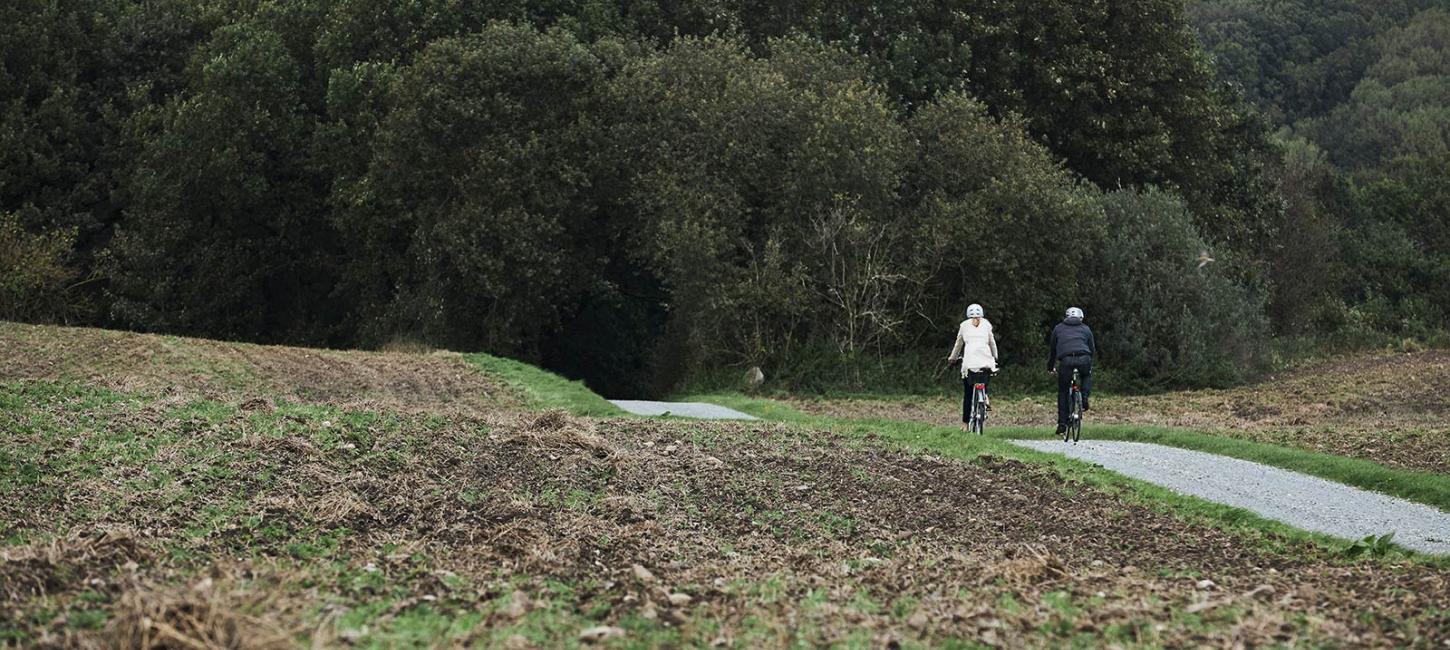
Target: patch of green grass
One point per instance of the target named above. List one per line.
(545, 390)
(950, 442)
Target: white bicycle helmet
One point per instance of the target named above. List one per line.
(974, 311)
(1074, 312)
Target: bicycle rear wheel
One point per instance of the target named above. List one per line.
(1075, 428)
(979, 413)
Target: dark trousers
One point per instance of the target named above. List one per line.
(1065, 366)
(968, 384)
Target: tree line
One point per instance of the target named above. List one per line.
(648, 193)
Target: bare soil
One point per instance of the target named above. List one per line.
(735, 534)
(192, 507)
(1390, 408)
(239, 372)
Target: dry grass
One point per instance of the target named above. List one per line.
(411, 380)
(743, 534)
(202, 508)
(208, 614)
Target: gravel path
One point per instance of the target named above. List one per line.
(1296, 499)
(683, 409)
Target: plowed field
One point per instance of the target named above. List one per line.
(167, 518)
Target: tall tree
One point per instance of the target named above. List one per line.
(225, 236)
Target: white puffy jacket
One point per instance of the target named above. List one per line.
(976, 346)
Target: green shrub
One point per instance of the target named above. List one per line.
(35, 278)
(1157, 313)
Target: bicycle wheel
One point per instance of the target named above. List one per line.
(979, 413)
(1076, 427)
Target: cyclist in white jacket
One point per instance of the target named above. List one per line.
(976, 346)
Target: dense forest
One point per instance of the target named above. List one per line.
(1358, 94)
(648, 193)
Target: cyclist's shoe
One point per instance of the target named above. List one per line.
(989, 404)
(1086, 407)
(1061, 428)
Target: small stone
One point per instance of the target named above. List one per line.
(642, 574)
(1206, 584)
(518, 605)
(680, 600)
(754, 376)
(918, 620)
(600, 633)
(1262, 591)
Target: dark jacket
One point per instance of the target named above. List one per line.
(1070, 336)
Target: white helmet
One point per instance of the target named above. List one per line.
(974, 310)
(1074, 312)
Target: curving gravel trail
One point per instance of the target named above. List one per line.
(1300, 500)
(699, 410)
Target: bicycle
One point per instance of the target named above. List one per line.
(979, 408)
(1073, 432)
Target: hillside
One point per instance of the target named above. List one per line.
(197, 498)
(1385, 407)
(238, 373)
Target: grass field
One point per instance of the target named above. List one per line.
(260, 514)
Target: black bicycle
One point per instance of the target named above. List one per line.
(1073, 432)
(978, 422)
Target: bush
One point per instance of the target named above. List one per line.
(35, 279)
(1160, 316)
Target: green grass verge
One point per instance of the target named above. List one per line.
(950, 442)
(543, 389)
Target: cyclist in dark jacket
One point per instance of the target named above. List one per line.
(1071, 347)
